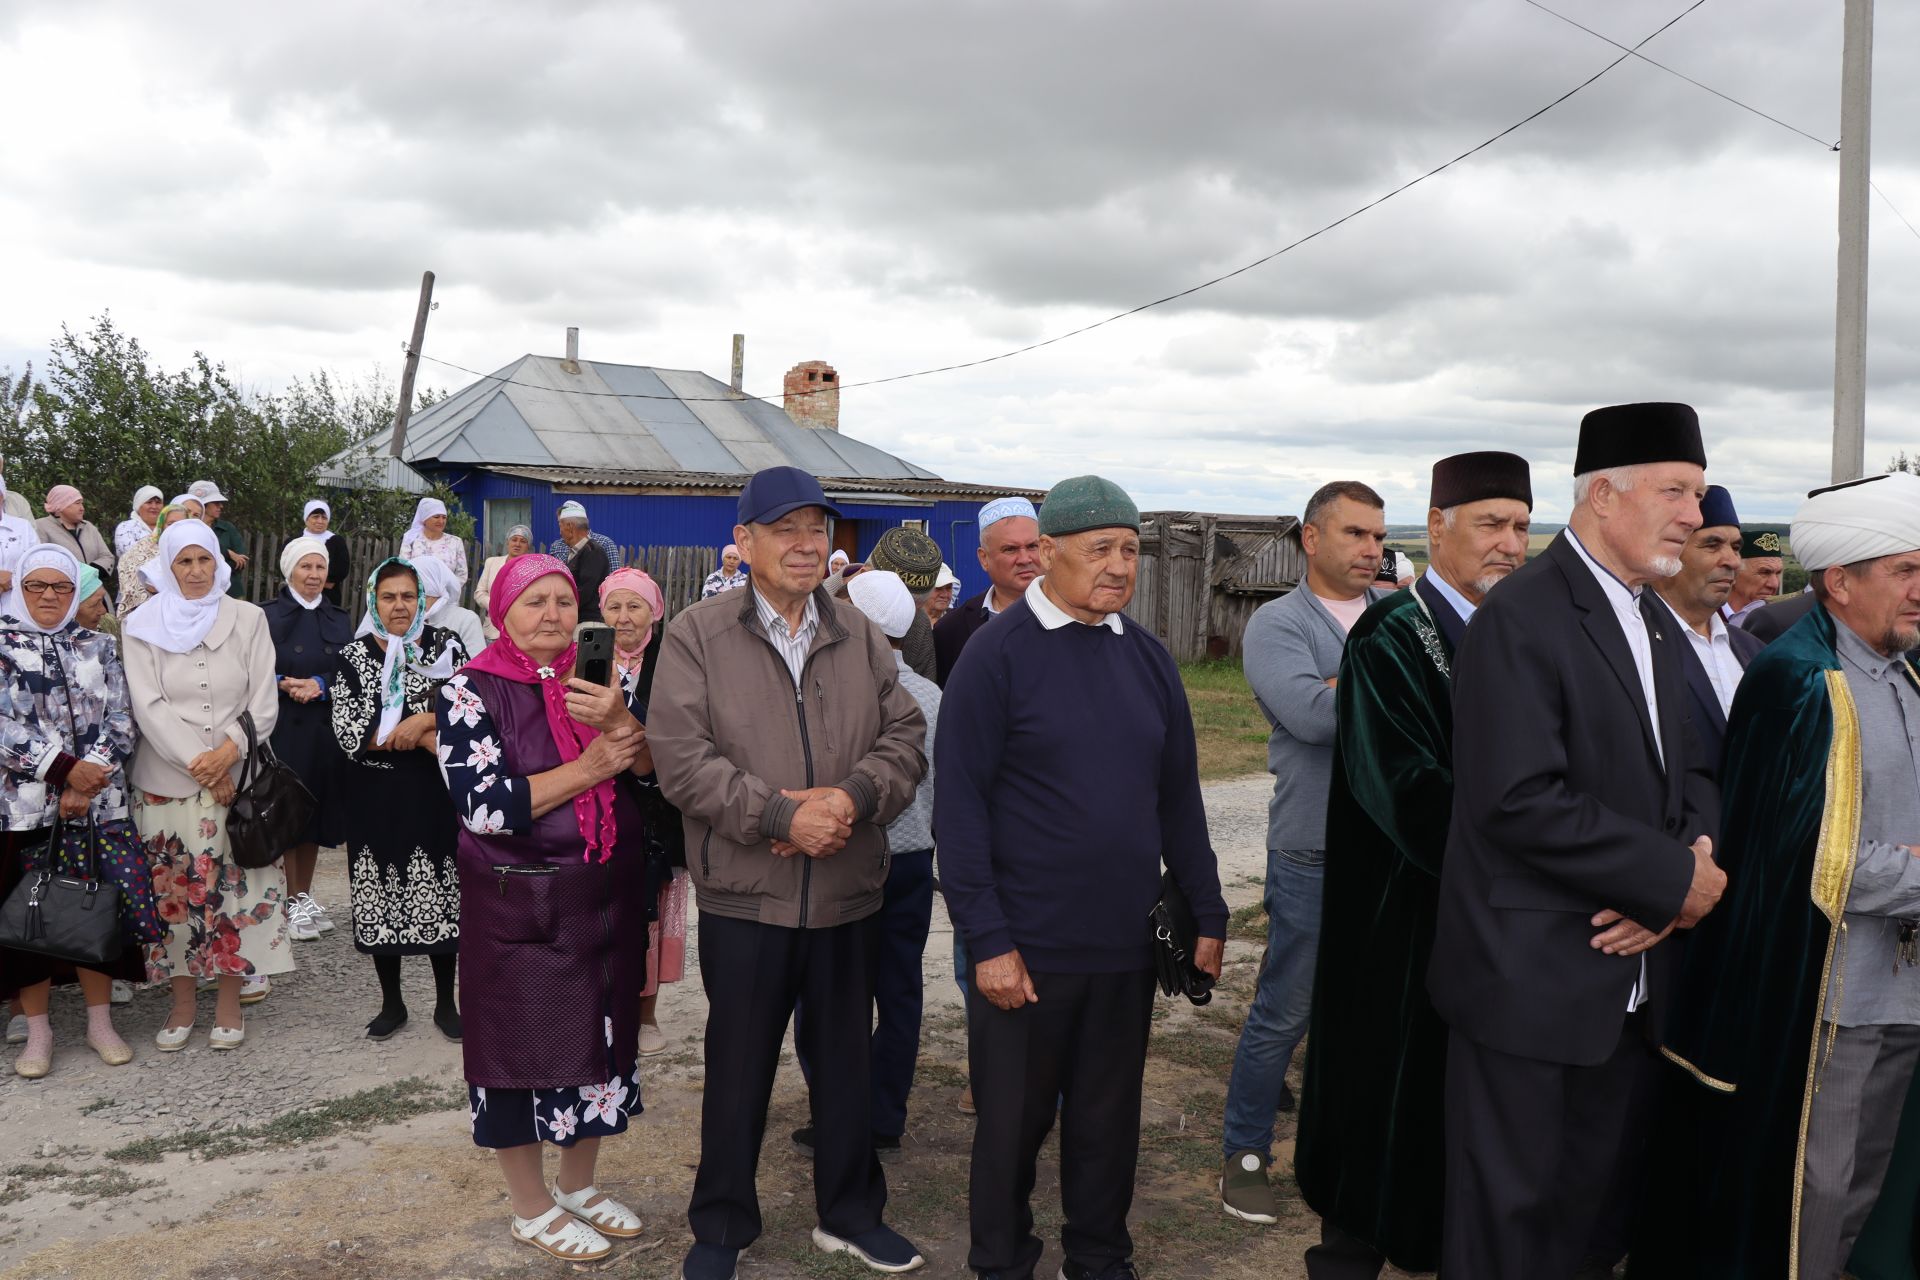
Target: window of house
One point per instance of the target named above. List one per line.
(502, 514)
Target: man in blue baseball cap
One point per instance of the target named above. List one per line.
(785, 833)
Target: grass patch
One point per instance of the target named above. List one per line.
(929, 1074)
(1194, 1047)
(1231, 732)
(1249, 923)
(85, 1185)
(388, 1104)
(96, 1106)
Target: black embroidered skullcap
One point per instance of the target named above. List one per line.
(909, 553)
(1758, 541)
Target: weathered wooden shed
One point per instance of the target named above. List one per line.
(1203, 575)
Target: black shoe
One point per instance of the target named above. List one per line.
(1071, 1270)
(710, 1262)
(803, 1141)
(448, 1020)
(388, 1022)
(888, 1149)
(1286, 1098)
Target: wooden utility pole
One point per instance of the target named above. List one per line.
(1850, 319)
(405, 410)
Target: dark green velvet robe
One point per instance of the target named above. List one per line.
(1369, 1155)
(1722, 1196)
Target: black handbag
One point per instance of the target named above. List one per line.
(271, 806)
(1175, 937)
(72, 918)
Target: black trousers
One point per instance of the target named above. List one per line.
(1082, 1049)
(1340, 1256)
(753, 973)
(1532, 1148)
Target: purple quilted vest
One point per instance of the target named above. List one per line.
(552, 948)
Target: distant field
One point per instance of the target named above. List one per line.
(1227, 724)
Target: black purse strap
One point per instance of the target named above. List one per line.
(249, 767)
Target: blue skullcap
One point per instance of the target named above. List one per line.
(1716, 509)
(1005, 509)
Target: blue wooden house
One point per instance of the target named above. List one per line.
(658, 457)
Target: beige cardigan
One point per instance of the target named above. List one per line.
(186, 703)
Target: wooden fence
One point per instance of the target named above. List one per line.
(1202, 576)
(680, 571)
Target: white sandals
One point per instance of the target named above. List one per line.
(173, 1039)
(571, 1241)
(227, 1037)
(609, 1217)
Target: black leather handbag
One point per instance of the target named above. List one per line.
(72, 918)
(1175, 937)
(271, 806)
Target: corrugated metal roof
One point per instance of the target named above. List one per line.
(527, 415)
(872, 490)
(386, 473)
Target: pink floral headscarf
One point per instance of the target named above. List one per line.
(594, 806)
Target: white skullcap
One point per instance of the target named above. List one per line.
(1860, 521)
(571, 510)
(1005, 509)
(882, 596)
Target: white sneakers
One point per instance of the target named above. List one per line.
(17, 1029)
(306, 918)
(254, 988)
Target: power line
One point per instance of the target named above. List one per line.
(1818, 141)
(1171, 297)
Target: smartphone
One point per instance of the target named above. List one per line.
(593, 661)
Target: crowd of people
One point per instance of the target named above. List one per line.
(1595, 911)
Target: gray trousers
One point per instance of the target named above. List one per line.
(1850, 1137)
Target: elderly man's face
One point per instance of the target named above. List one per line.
(1758, 579)
(1093, 572)
(1648, 526)
(573, 532)
(1707, 569)
(1010, 553)
(1879, 600)
(789, 556)
(1481, 544)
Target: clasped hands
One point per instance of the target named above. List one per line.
(214, 770)
(622, 743)
(1620, 936)
(300, 690)
(822, 824)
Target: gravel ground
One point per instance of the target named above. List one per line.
(67, 1209)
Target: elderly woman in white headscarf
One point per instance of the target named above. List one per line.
(142, 522)
(401, 828)
(66, 733)
(16, 535)
(427, 538)
(309, 631)
(440, 597)
(318, 518)
(519, 542)
(133, 587)
(197, 660)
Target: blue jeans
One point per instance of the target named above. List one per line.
(1277, 1019)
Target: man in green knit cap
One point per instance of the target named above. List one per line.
(1068, 777)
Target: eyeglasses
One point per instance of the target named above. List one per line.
(61, 589)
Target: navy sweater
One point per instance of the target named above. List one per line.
(1067, 775)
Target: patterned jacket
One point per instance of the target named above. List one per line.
(62, 697)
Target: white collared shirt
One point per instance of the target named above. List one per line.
(793, 645)
(1715, 651)
(1626, 607)
(1461, 605)
(1738, 617)
(1053, 617)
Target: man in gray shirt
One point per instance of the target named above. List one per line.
(1292, 654)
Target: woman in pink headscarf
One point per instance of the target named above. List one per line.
(553, 907)
(632, 604)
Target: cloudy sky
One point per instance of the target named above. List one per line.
(890, 186)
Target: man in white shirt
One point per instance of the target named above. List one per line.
(1716, 653)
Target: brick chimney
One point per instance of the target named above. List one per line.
(812, 395)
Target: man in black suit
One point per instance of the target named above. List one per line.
(1715, 653)
(1580, 838)
(1769, 624)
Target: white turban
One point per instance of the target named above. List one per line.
(1860, 521)
(882, 596)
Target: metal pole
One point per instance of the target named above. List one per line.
(405, 410)
(1850, 321)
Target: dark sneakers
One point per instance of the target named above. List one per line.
(1071, 1270)
(882, 1248)
(1286, 1097)
(711, 1262)
(1244, 1191)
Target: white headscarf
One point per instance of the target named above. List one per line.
(309, 509)
(141, 496)
(426, 509)
(168, 620)
(47, 555)
(1861, 521)
(292, 554)
(437, 580)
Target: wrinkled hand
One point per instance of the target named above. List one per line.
(610, 754)
(1207, 955)
(88, 778)
(840, 802)
(209, 767)
(1622, 937)
(6, 580)
(1709, 882)
(1004, 981)
(239, 561)
(602, 707)
(430, 740)
(300, 690)
(73, 804)
(406, 735)
(818, 830)
(223, 791)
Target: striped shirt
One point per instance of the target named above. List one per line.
(793, 645)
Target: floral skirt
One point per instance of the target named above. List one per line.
(222, 920)
(505, 1118)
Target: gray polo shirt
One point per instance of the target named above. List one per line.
(1873, 985)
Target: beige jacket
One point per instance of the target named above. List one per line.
(187, 703)
(730, 731)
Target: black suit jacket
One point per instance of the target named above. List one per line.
(1562, 808)
(1709, 722)
(1771, 622)
(951, 636)
(590, 567)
